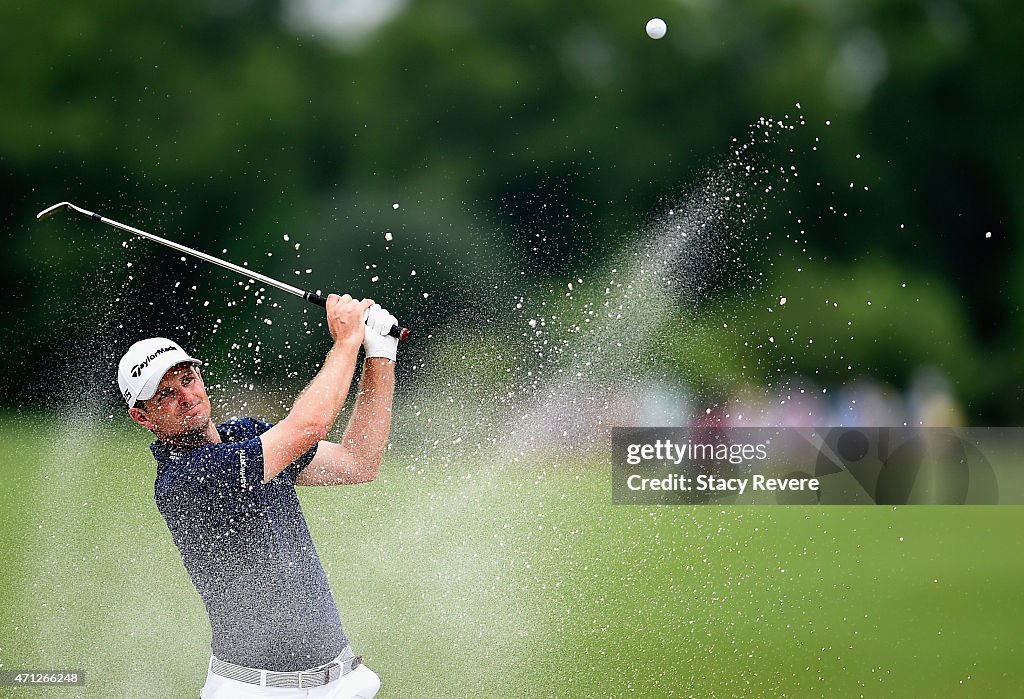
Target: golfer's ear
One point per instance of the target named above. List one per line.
(139, 416)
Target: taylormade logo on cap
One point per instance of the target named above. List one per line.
(144, 365)
(137, 369)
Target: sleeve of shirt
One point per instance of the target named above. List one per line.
(294, 468)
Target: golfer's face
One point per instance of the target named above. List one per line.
(180, 403)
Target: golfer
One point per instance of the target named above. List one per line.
(227, 493)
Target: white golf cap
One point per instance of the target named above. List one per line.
(144, 365)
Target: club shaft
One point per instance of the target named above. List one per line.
(203, 256)
(311, 296)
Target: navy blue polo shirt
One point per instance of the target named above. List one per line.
(248, 551)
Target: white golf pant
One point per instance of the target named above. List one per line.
(361, 683)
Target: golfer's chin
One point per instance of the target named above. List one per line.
(193, 427)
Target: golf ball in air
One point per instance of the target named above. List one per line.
(656, 28)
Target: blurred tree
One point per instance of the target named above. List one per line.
(528, 134)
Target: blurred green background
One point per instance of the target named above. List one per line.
(521, 580)
(545, 133)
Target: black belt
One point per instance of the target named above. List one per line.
(303, 679)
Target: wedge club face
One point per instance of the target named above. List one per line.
(64, 205)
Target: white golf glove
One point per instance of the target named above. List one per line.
(376, 341)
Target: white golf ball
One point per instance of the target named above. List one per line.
(656, 28)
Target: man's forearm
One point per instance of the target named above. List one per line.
(315, 410)
(366, 436)
(319, 404)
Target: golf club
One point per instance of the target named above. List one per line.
(311, 296)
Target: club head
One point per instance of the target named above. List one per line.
(51, 210)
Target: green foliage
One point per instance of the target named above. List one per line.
(508, 128)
